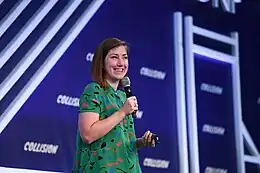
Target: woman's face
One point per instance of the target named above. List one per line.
(116, 64)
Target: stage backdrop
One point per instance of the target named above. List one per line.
(46, 51)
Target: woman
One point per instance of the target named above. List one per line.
(106, 141)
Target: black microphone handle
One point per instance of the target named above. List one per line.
(128, 92)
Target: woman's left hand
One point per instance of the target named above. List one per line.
(147, 139)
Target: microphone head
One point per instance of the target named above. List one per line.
(125, 82)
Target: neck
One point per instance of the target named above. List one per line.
(114, 84)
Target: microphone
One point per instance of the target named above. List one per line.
(128, 91)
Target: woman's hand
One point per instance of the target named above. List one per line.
(147, 139)
(130, 105)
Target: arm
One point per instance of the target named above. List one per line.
(91, 128)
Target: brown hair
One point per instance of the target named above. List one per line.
(97, 66)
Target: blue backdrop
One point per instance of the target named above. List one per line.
(215, 114)
(38, 119)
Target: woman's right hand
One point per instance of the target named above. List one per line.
(130, 105)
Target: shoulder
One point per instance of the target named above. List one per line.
(92, 87)
(91, 95)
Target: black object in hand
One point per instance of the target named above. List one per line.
(128, 90)
(155, 138)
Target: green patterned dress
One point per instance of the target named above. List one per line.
(115, 152)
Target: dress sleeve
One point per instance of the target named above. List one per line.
(90, 99)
